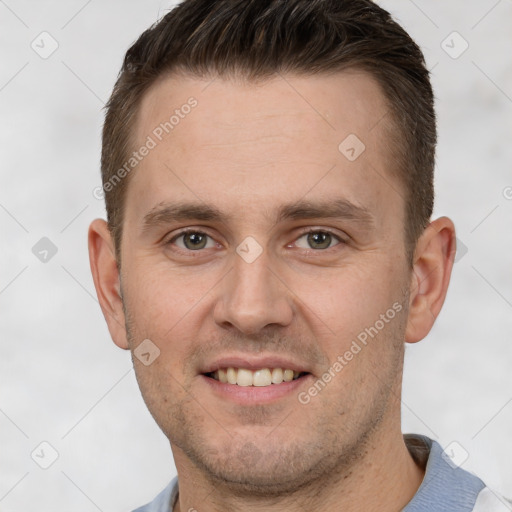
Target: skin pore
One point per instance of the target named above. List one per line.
(262, 160)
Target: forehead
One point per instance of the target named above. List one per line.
(246, 146)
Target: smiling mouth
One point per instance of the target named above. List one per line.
(257, 378)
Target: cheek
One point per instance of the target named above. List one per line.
(357, 316)
(162, 297)
(346, 300)
(169, 307)
(163, 309)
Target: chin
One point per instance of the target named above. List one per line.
(260, 468)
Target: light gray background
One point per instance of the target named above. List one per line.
(63, 381)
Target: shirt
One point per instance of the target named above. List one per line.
(445, 487)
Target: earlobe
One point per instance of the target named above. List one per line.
(106, 278)
(432, 267)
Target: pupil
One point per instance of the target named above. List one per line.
(196, 240)
(319, 240)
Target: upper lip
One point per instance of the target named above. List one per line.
(254, 363)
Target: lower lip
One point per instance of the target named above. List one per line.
(247, 395)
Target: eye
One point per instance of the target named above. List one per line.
(192, 240)
(317, 239)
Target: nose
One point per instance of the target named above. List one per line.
(252, 297)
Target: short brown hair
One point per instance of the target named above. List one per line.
(260, 38)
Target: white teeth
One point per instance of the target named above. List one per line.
(231, 375)
(260, 378)
(277, 376)
(244, 377)
(288, 375)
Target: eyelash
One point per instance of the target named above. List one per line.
(303, 233)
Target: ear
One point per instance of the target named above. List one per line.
(432, 268)
(106, 280)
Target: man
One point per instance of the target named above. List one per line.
(268, 177)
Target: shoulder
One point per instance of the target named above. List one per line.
(164, 501)
(446, 485)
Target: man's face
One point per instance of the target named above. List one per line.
(248, 288)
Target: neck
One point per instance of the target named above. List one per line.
(384, 479)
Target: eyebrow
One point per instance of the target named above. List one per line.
(166, 213)
(325, 209)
